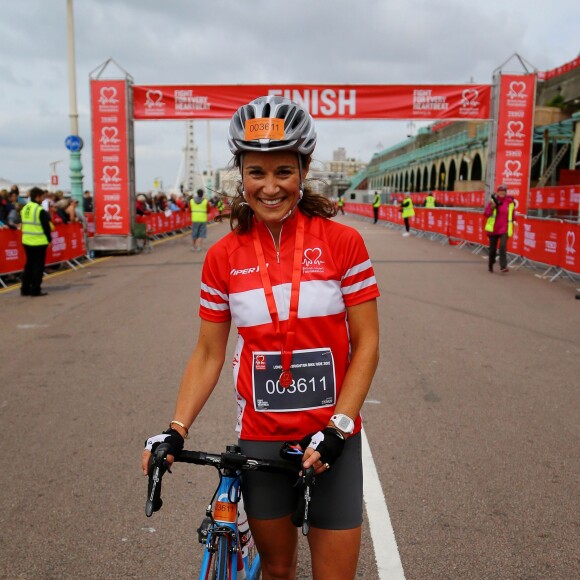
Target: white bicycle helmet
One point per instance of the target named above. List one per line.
(297, 134)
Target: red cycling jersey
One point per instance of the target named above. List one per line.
(336, 273)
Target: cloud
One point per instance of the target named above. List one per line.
(250, 42)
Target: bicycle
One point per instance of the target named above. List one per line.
(225, 556)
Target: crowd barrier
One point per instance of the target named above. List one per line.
(566, 198)
(453, 198)
(68, 244)
(68, 240)
(555, 243)
(161, 223)
(158, 223)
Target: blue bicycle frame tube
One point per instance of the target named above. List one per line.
(225, 514)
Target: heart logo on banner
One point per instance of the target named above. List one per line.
(512, 168)
(110, 173)
(112, 212)
(470, 96)
(108, 95)
(154, 98)
(570, 241)
(312, 256)
(517, 88)
(109, 134)
(515, 129)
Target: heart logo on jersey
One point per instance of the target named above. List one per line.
(260, 362)
(312, 256)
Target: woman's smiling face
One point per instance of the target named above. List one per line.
(271, 185)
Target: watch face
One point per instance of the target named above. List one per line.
(344, 423)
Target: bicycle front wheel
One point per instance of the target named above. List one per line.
(220, 564)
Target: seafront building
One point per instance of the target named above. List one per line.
(452, 156)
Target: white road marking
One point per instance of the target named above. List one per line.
(389, 563)
(28, 326)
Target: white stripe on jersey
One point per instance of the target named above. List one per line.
(358, 268)
(317, 298)
(213, 305)
(359, 285)
(214, 291)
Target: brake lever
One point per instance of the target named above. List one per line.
(157, 467)
(309, 480)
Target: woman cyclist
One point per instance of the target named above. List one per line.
(301, 291)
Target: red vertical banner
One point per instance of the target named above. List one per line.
(110, 157)
(515, 127)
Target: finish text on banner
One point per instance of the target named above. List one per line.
(515, 127)
(110, 157)
(322, 101)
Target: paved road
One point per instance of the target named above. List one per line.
(472, 419)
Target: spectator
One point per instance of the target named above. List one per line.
(160, 203)
(13, 220)
(3, 206)
(173, 203)
(48, 201)
(142, 207)
(78, 214)
(63, 211)
(87, 202)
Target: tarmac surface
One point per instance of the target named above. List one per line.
(473, 417)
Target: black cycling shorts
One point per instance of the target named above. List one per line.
(336, 498)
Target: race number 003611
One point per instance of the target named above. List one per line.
(297, 386)
(313, 381)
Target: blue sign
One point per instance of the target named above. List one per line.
(73, 143)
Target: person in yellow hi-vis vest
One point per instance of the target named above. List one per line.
(407, 211)
(430, 200)
(500, 213)
(36, 237)
(376, 206)
(199, 207)
(340, 204)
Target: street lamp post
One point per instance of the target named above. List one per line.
(73, 143)
(53, 174)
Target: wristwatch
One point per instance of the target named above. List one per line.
(343, 423)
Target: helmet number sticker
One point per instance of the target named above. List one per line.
(264, 128)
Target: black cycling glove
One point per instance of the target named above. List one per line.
(328, 442)
(172, 437)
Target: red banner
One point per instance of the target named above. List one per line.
(448, 198)
(515, 128)
(322, 101)
(570, 247)
(556, 72)
(68, 243)
(90, 217)
(565, 197)
(12, 258)
(110, 157)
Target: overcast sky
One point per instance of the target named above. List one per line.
(250, 42)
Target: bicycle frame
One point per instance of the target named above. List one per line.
(225, 525)
(219, 531)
